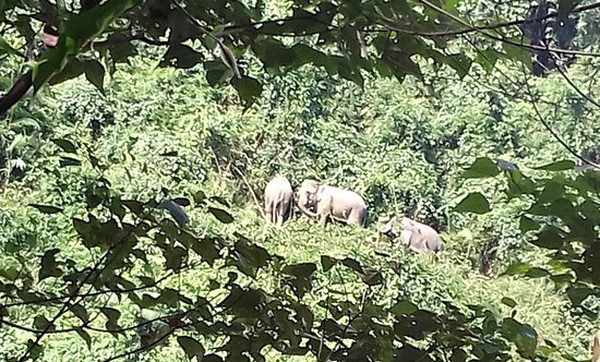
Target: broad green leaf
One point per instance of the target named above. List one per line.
(249, 89)
(181, 56)
(72, 69)
(526, 340)
(557, 166)
(207, 250)
(481, 168)
(353, 264)
(578, 294)
(549, 238)
(65, 145)
(120, 48)
(537, 273)
(526, 224)
(94, 73)
(222, 215)
(49, 267)
(6, 48)
(80, 312)
(78, 29)
(42, 323)
(509, 302)
(487, 58)
(228, 58)
(301, 270)
(371, 276)
(328, 262)
(191, 347)
(47, 209)
(112, 318)
(516, 269)
(404, 307)
(65, 161)
(474, 202)
(461, 64)
(85, 336)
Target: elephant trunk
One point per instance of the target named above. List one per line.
(305, 210)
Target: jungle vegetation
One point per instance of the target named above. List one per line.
(475, 117)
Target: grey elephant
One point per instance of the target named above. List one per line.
(325, 202)
(279, 200)
(419, 237)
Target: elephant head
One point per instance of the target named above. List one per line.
(307, 197)
(419, 237)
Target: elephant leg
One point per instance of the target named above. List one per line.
(269, 210)
(276, 213)
(323, 218)
(356, 217)
(280, 214)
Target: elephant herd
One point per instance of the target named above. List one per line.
(329, 203)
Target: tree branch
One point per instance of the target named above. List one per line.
(88, 295)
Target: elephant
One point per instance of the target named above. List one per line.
(595, 346)
(279, 200)
(325, 202)
(419, 237)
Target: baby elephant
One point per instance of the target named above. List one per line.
(326, 202)
(278, 200)
(419, 237)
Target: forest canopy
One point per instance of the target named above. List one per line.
(129, 203)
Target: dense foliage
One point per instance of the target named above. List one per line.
(91, 247)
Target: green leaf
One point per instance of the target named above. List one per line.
(301, 270)
(72, 69)
(228, 58)
(49, 266)
(40, 322)
(6, 48)
(199, 197)
(404, 307)
(80, 312)
(509, 302)
(249, 89)
(487, 58)
(578, 294)
(222, 215)
(481, 168)
(65, 145)
(328, 262)
(474, 202)
(371, 276)
(461, 64)
(112, 316)
(557, 166)
(46, 209)
(537, 273)
(180, 56)
(207, 250)
(121, 49)
(94, 73)
(65, 161)
(191, 347)
(85, 336)
(549, 238)
(526, 224)
(517, 268)
(526, 340)
(78, 29)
